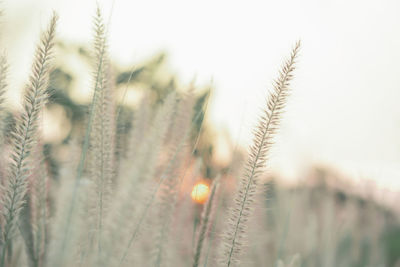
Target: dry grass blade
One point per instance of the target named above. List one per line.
(263, 138)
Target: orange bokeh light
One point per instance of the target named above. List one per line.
(200, 192)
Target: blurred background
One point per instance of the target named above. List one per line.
(341, 128)
(343, 111)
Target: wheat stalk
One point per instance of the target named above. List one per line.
(263, 139)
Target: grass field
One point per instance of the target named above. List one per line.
(136, 185)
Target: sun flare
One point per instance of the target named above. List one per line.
(200, 192)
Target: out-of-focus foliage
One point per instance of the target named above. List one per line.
(151, 79)
(106, 179)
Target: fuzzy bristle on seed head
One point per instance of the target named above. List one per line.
(24, 136)
(234, 235)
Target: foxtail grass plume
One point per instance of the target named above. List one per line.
(263, 139)
(3, 85)
(24, 137)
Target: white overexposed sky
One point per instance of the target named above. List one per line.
(344, 110)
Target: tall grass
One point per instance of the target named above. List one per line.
(129, 204)
(263, 138)
(24, 138)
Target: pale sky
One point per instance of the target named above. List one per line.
(344, 109)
